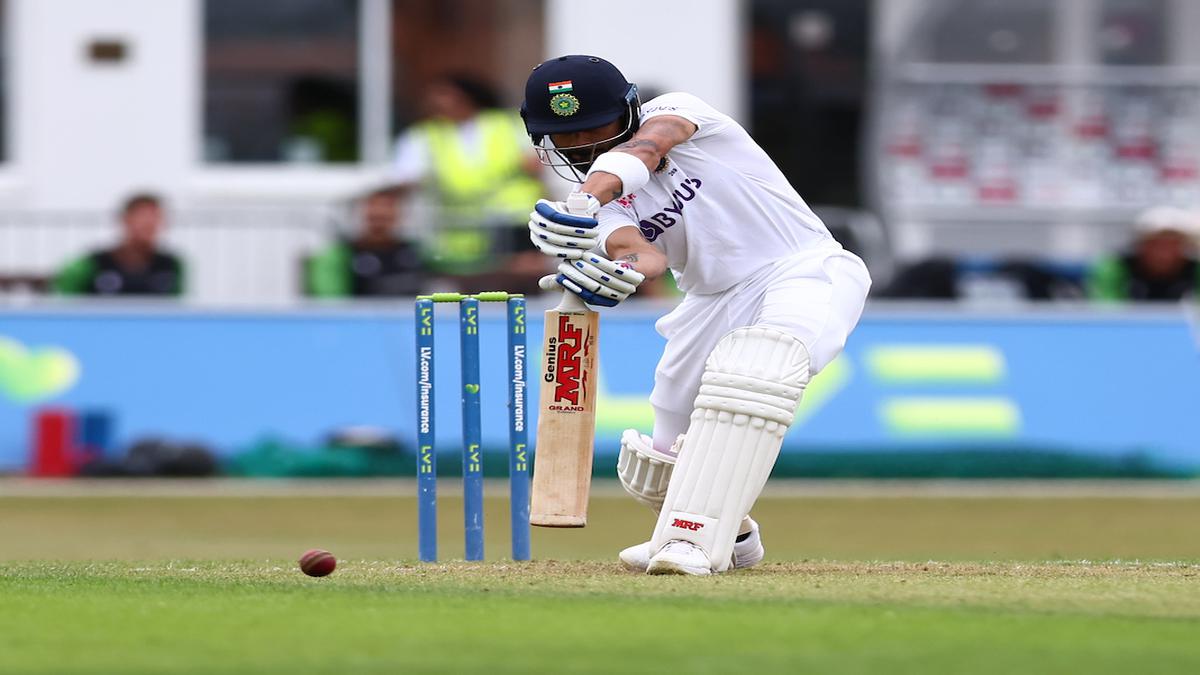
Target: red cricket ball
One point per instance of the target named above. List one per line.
(317, 563)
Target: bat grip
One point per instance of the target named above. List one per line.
(571, 303)
(577, 205)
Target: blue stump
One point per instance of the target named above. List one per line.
(468, 313)
(426, 450)
(518, 457)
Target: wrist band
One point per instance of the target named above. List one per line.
(633, 173)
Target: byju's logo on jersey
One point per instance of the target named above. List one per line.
(658, 223)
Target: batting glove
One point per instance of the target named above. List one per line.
(596, 279)
(558, 233)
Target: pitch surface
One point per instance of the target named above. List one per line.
(101, 584)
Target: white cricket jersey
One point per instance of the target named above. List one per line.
(720, 209)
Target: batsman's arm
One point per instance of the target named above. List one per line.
(650, 144)
(627, 245)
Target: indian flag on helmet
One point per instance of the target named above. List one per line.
(560, 87)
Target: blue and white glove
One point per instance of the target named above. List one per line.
(595, 279)
(560, 233)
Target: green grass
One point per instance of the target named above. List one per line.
(592, 617)
(852, 527)
(209, 585)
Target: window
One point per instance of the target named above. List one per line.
(987, 31)
(281, 81)
(1132, 32)
(496, 42)
(808, 83)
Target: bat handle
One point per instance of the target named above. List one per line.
(571, 303)
(577, 204)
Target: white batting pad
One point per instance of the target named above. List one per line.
(644, 471)
(748, 396)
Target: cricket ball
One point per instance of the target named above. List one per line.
(317, 563)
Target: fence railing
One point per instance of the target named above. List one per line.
(245, 255)
(232, 256)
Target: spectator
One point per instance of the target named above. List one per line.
(1160, 264)
(478, 170)
(375, 261)
(136, 266)
(934, 278)
(985, 279)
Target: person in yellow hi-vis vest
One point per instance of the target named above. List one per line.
(472, 161)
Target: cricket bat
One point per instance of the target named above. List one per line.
(562, 464)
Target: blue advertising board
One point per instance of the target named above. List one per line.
(916, 391)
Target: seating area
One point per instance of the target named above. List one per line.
(996, 144)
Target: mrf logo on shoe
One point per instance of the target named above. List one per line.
(687, 525)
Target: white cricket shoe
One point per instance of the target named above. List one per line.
(746, 553)
(680, 557)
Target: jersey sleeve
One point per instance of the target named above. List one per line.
(328, 272)
(1107, 279)
(181, 279)
(76, 277)
(708, 120)
(613, 216)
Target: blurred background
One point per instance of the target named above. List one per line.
(214, 215)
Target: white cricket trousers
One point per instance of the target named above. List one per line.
(816, 296)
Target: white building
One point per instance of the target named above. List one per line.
(205, 101)
(257, 120)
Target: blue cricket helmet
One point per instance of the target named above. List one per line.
(575, 93)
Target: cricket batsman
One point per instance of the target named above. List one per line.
(770, 296)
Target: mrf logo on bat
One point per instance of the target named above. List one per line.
(564, 365)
